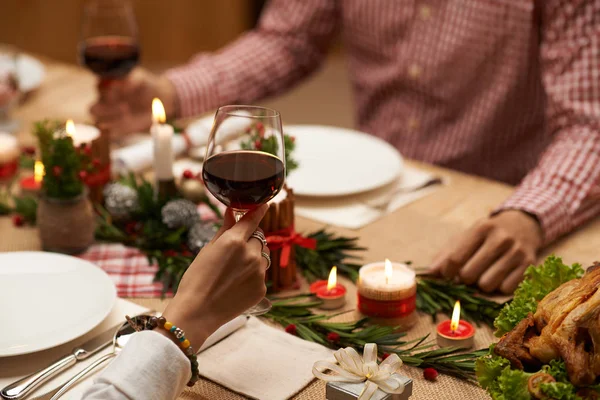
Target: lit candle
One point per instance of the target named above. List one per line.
(33, 184)
(162, 135)
(331, 293)
(455, 332)
(387, 291)
(9, 156)
(81, 133)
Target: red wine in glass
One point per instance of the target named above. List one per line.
(243, 180)
(110, 57)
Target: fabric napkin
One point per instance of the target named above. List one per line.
(139, 156)
(13, 368)
(356, 211)
(262, 362)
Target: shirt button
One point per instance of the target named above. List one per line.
(425, 12)
(413, 123)
(414, 71)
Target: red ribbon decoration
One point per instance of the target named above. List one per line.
(284, 239)
(387, 308)
(9, 169)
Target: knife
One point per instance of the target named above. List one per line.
(19, 389)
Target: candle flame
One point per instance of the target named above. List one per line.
(70, 128)
(332, 281)
(158, 111)
(388, 271)
(38, 171)
(455, 316)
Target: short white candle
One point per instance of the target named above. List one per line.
(81, 133)
(9, 148)
(162, 135)
(373, 276)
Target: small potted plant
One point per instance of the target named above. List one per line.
(65, 215)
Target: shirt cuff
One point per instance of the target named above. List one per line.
(545, 205)
(150, 367)
(196, 86)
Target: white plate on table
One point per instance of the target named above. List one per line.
(48, 299)
(30, 71)
(338, 162)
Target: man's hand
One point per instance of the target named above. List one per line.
(493, 253)
(126, 106)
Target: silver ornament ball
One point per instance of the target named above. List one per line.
(180, 212)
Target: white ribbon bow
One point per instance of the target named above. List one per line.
(354, 368)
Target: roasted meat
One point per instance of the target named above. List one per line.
(566, 325)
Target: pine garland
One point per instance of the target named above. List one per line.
(296, 315)
(257, 140)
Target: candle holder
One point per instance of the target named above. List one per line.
(387, 292)
(455, 332)
(332, 294)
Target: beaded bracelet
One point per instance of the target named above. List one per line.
(184, 344)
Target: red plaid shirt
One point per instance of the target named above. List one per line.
(507, 89)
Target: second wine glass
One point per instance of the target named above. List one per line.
(243, 179)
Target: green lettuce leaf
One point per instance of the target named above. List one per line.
(488, 368)
(502, 383)
(538, 282)
(558, 370)
(559, 391)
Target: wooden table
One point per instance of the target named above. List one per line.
(415, 232)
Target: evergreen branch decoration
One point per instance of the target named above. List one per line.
(296, 315)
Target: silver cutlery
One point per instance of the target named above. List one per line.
(382, 204)
(19, 389)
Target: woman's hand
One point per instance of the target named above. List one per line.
(126, 106)
(226, 278)
(493, 253)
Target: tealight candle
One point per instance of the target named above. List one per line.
(82, 134)
(455, 332)
(331, 293)
(388, 291)
(9, 156)
(33, 184)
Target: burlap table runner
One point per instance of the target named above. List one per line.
(445, 387)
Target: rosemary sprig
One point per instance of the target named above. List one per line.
(318, 328)
(438, 296)
(331, 250)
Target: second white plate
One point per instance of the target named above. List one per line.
(337, 162)
(48, 299)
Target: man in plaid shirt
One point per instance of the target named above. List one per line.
(506, 89)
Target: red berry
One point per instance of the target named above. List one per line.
(257, 144)
(29, 150)
(170, 253)
(384, 356)
(18, 220)
(187, 253)
(96, 163)
(57, 170)
(333, 337)
(87, 150)
(83, 175)
(293, 138)
(291, 329)
(260, 126)
(131, 227)
(187, 174)
(430, 374)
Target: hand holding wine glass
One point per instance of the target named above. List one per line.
(245, 179)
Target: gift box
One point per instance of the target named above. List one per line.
(351, 391)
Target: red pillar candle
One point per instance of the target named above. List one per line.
(455, 332)
(387, 293)
(331, 293)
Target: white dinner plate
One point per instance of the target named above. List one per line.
(337, 162)
(30, 71)
(48, 299)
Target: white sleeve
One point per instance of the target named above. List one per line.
(149, 367)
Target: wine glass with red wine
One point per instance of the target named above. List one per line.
(109, 40)
(243, 179)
